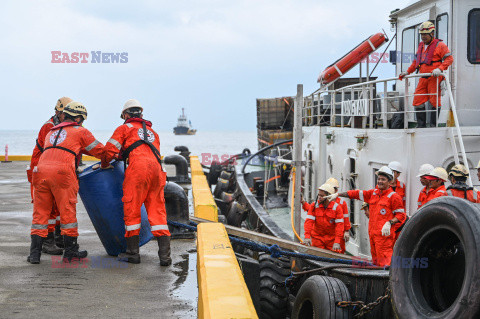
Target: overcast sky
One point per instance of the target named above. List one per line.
(212, 57)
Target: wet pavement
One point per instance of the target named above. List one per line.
(100, 286)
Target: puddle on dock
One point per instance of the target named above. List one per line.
(185, 286)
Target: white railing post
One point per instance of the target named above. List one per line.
(384, 108)
(457, 126)
(406, 105)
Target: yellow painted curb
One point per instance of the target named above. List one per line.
(203, 202)
(222, 292)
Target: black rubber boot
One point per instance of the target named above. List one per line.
(132, 255)
(421, 116)
(164, 250)
(49, 246)
(35, 249)
(71, 249)
(58, 237)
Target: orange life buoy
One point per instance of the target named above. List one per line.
(352, 58)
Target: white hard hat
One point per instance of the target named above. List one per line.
(384, 170)
(332, 181)
(439, 172)
(425, 169)
(327, 188)
(131, 103)
(395, 166)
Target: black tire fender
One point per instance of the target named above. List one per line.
(318, 297)
(236, 214)
(222, 185)
(447, 283)
(273, 294)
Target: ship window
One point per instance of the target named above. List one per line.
(474, 36)
(408, 47)
(442, 27)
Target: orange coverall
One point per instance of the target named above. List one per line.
(324, 225)
(54, 218)
(384, 206)
(425, 197)
(429, 85)
(144, 178)
(55, 179)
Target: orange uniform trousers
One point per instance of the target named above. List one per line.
(144, 183)
(54, 183)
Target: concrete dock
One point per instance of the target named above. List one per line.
(100, 287)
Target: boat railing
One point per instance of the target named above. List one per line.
(362, 106)
(369, 104)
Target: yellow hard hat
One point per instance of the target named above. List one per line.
(62, 102)
(76, 109)
(427, 27)
(439, 172)
(327, 188)
(478, 165)
(459, 170)
(332, 181)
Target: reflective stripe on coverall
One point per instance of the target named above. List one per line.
(471, 194)
(384, 206)
(324, 225)
(346, 220)
(144, 178)
(55, 178)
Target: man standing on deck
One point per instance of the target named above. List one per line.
(54, 243)
(435, 186)
(433, 56)
(386, 209)
(55, 179)
(324, 223)
(346, 217)
(139, 145)
(458, 177)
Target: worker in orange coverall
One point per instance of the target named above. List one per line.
(433, 56)
(324, 223)
(55, 179)
(54, 242)
(435, 186)
(139, 145)
(458, 176)
(346, 217)
(386, 209)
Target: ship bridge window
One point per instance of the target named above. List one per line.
(442, 27)
(408, 47)
(474, 36)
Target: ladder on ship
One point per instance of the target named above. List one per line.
(456, 134)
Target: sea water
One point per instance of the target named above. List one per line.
(22, 142)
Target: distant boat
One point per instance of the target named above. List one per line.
(184, 126)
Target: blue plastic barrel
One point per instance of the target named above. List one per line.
(101, 192)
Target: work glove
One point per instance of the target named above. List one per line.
(386, 229)
(307, 242)
(437, 72)
(402, 75)
(336, 247)
(332, 197)
(346, 236)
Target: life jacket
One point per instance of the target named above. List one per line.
(125, 153)
(465, 188)
(427, 56)
(54, 144)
